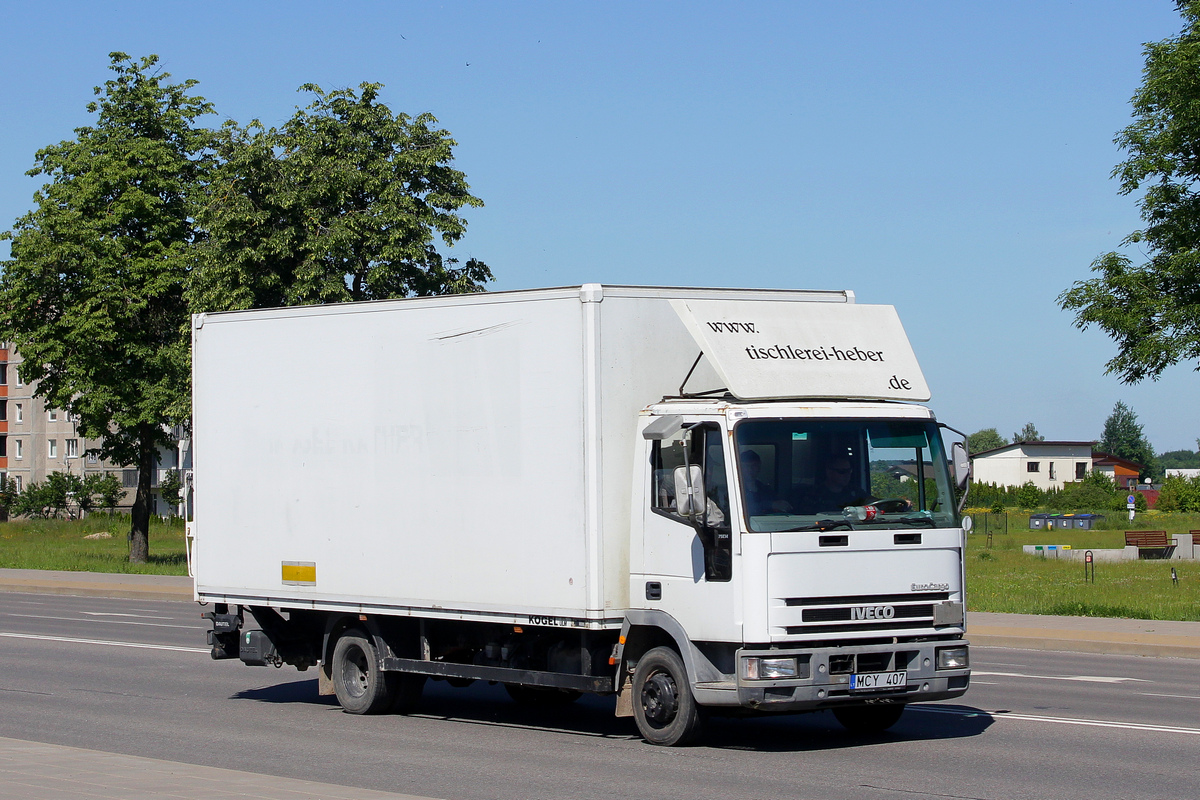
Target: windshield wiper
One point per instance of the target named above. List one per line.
(822, 525)
(913, 521)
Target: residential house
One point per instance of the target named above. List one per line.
(1123, 472)
(1047, 464)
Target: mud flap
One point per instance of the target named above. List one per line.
(625, 698)
(324, 680)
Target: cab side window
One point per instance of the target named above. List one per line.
(702, 448)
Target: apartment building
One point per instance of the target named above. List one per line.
(36, 439)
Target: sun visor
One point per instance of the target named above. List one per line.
(777, 349)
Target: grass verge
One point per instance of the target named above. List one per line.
(999, 578)
(60, 545)
(1003, 578)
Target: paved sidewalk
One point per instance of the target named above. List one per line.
(1138, 637)
(96, 584)
(52, 772)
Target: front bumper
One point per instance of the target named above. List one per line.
(823, 679)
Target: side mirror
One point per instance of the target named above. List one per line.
(962, 464)
(689, 491)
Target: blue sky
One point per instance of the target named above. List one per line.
(949, 158)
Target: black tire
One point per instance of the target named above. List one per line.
(361, 687)
(868, 720)
(663, 705)
(407, 692)
(541, 697)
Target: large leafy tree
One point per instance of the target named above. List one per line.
(1123, 437)
(986, 439)
(346, 201)
(93, 295)
(1152, 310)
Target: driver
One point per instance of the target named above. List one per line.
(838, 488)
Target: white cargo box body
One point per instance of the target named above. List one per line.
(466, 456)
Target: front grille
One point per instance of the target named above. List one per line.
(861, 613)
(844, 614)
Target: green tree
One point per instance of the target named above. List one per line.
(1179, 494)
(93, 296)
(109, 491)
(1028, 434)
(34, 501)
(1179, 459)
(170, 487)
(61, 490)
(1123, 438)
(8, 497)
(1152, 310)
(346, 201)
(986, 439)
(1029, 496)
(91, 491)
(1095, 492)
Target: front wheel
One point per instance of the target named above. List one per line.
(360, 685)
(663, 705)
(867, 720)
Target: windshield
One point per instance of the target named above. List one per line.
(824, 474)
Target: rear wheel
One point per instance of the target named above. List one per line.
(360, 685)
(663, 705)
(866, 720)
(541, 696)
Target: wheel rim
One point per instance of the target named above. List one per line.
(660, 699)
(355, 672)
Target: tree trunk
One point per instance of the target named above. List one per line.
(139, 526)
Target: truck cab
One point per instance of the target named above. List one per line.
(812, 552)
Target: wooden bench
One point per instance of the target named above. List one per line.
(1150, 544)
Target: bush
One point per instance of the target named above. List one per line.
(1179, 494)
(1029, 496)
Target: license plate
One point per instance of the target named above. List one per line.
(876, 681)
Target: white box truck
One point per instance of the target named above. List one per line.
(696, 500)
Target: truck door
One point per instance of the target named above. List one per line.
(688, 552)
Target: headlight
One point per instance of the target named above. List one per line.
(768, 668)
(953, 658)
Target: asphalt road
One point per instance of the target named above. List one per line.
(134, 677)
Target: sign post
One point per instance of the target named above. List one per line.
(1089, 568)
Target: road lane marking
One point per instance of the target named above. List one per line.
(106, 621)
(118, 614)
(1084, 678)
(1087, 723)
(72, 640)
(1180, 696)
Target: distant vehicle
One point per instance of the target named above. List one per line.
(667, 495)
